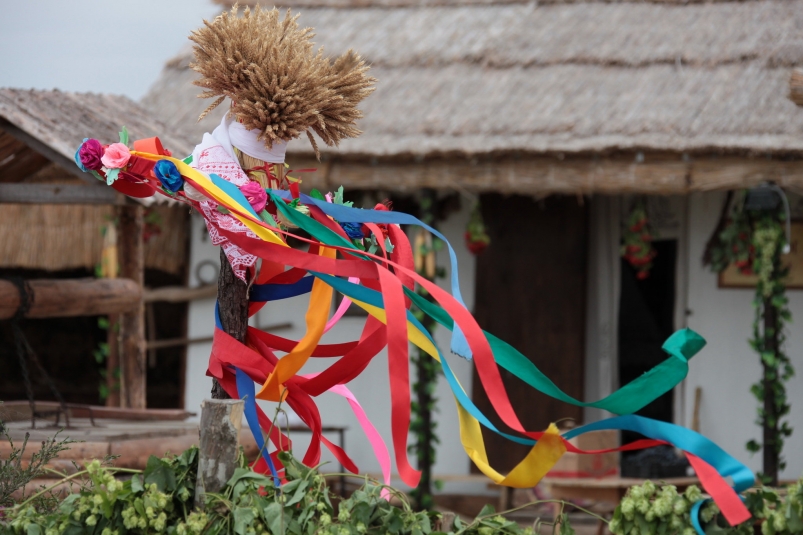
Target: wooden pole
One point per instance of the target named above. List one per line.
(219, 445)
(232, 296)
(113, 362)
(132, 325)
(63, 298)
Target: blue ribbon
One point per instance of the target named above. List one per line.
(273, 292)
(247, 392)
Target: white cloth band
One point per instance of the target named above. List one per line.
(231, 133)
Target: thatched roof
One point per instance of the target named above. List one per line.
(39, 133)
(586, 77)
(56, 122)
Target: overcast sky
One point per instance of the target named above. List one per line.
(103, 46)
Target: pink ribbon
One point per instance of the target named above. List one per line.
(377, 443)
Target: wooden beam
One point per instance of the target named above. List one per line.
(708, 174)
(132, 324)
(22, 193)
(46, 150)
(181, 342)
(49, 298)
(650, 174)
(796, 87)
(179, 294)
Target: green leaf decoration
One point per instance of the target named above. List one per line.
(388, 245)
(124, 136)
(315, 194)
(339, 195)
(111, 176)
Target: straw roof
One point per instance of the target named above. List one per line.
(585, 77)
(61, 120)
(39, 132)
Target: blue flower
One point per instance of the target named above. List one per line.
(78, 156)
(168, 175)
(353, 230)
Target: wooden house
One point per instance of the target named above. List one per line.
(52, 223)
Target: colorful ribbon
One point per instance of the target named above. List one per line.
(384, 286)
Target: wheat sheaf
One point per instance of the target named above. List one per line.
(278, 84)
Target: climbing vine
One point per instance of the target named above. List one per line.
(753, 241)
(424, 405)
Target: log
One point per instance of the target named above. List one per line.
(179, 294)
(219, 445)
(63, 298)
(59, 194)
(132, 324)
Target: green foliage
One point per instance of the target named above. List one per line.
(647, 510)
(14, 475)
(753, 242)
(158, 500)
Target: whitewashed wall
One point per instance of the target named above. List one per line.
(727, 366)
(371, 388)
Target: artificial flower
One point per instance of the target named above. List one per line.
(256, 195)
(77, 156)
(167, 173)
(116, 156)
(91, 153)
(353, 230)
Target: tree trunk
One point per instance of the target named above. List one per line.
(219, 445)
(232, 296)
(770, 431)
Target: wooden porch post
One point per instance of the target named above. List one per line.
(132, 326)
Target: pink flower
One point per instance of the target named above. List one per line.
(116, 156)
(256, 195)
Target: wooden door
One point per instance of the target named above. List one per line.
(531, 292)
